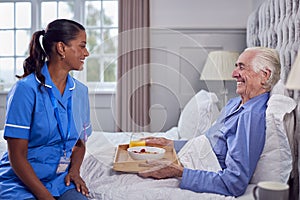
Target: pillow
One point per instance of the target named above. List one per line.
(198, 154)
(2, 144)
(198, 115)
(279, 88)
(275, 163)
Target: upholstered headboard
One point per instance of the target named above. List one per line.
(276, 24)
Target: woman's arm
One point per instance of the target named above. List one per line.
(74, 171)
(17, 150)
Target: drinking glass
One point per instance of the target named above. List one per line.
(137, 139)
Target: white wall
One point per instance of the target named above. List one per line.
(2, 108)
(200, 13)
(214, 24)
(196, 27)
(177, 59)
(183, 32)
(257, 3)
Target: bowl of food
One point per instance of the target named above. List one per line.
(146, 153)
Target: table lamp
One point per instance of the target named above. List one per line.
(219, 66)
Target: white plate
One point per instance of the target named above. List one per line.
(146, 153)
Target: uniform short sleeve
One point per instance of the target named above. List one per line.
(20, 103)
(81, 111)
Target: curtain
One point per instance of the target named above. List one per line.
(132, 98)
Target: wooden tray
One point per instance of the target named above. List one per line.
(124, 163)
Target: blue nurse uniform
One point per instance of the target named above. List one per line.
(30, 115)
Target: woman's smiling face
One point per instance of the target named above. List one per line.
(76, 52)
(249, 82)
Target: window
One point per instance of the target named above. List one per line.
(15, 33)
(23, 18)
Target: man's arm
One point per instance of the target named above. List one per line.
(244, 148)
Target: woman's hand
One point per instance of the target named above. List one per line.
(161, 169)
(158, 141)
(78, 181)
(74, 172)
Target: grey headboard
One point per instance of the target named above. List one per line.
(276, 24)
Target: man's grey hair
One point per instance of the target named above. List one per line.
(266, 58)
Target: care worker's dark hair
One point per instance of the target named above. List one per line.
(60, 30)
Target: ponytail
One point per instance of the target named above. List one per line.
(60, 30)
(36, 59)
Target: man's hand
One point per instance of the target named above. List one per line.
(161, 169)
(158, 141)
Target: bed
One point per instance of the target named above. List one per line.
(105, 183)
(274, 24)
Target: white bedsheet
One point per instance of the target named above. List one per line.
(105, 183)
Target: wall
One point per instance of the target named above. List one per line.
(256, 3)
(200, 13)
(2, 108)
(102, 111)
(101, 105)
(178, 57)
(183, 32)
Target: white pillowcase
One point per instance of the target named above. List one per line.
(198, 115)
(275, 163)
(279, 88)
(197, 154)
(3, 145)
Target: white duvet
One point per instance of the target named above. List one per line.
(105, 183)
(274, 164)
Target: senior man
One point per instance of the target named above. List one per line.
(238, 136)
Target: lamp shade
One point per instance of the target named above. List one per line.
(219, 65)
(293, 80)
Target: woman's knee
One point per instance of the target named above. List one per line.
(71, 195)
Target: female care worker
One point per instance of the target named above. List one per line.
(48, 119)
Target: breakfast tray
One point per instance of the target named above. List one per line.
(124, 163)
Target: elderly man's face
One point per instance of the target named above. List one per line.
(249, 83)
